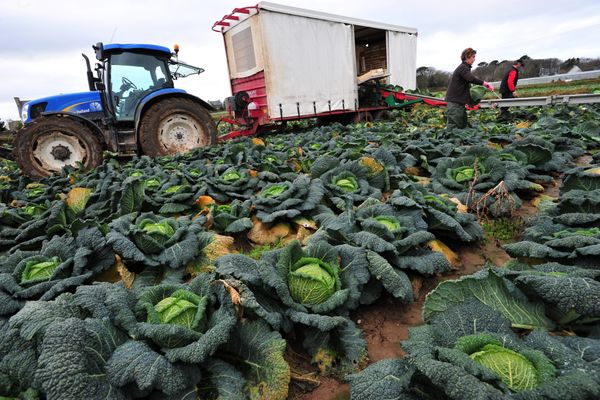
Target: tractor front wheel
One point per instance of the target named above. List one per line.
(49, 143)
(175, 126)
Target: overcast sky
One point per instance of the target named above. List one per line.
(41, 41)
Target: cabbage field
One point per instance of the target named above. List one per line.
(262, 267)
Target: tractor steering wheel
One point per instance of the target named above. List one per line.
(128, 83)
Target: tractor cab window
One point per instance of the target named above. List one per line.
(181, 70)
(132, 77)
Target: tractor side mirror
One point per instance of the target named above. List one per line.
(99, 49)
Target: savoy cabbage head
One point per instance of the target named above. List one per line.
(226, 182)
(62, 264)
(187, 321)
(310, 288)
(76, 346)
(231, 218)
(480, 172)
(393, 240)
(286, 200)
(153, 240)
(344, 183)
(581, 204)
(520, 371)
(537, 151)
(441, 215)
(173, 197)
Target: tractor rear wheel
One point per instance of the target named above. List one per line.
(49, 143)
(175, 126)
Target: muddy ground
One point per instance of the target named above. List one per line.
(385, 324)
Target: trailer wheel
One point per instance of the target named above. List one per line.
(176, 126)
(49, 143)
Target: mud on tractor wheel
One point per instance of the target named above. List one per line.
(176, 126)
(50, 143)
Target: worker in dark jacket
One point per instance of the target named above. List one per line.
(508, 87)
(458, 94)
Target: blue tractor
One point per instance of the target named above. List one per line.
(132, 108)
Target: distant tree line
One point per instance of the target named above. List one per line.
(429, 78)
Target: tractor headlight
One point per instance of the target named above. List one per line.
(24, 112)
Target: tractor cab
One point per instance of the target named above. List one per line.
(134, 71)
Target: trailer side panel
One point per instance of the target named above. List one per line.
(309, 65)
(402, 59)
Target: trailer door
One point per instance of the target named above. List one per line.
(402, 59)
(309, 65)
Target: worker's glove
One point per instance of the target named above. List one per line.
(488, 86)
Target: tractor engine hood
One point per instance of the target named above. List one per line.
(75, 103)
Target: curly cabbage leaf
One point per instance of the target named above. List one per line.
(72, 361)
(490, 289)
(577, 232)
(387, 379)
(136, 362)
(260, 352)
(581, 178)
(18, 362)
(571, 294)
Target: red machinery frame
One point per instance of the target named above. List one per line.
(222, 23)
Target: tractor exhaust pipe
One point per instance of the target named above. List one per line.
(90, 74)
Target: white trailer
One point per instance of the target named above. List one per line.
(287, 63)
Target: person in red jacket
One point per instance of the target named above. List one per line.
(457, 95)
(509, 85)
